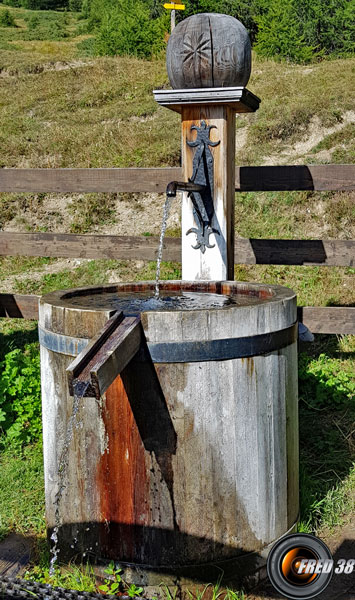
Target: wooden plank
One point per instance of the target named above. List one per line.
(18, 306)
(87, 246)
(15, 553)
(246, 251)
(116, 353)
(87, 180)
(274, 178)
(339, 253)
(296, 177)
(217, 263)
(77, 370)
(106, 355)
(336, 319)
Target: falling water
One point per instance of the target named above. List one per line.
(166, 211)
(79, 392)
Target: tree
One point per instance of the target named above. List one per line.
(280, 35)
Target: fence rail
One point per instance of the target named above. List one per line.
(319, 319)
(248, 179)
(247, 251)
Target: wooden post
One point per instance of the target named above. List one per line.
(172, 20)
(215, 263)
(208, 63)
(217, 108)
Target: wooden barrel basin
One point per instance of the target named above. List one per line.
(189, 462)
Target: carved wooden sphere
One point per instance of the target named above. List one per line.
(209, 50)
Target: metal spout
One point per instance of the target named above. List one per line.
(183, 186)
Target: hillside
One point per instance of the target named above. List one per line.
(60, 109)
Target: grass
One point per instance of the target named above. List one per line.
(327, 442)
(22, 492)
(288, 104)
(114, 116)
(90, 273)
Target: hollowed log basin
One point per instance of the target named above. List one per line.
(187, 467)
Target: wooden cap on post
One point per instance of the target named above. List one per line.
(209, 50)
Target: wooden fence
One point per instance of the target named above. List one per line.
(247, 251)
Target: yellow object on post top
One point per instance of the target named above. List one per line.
(173, 6)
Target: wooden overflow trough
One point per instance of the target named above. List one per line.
(327, 253)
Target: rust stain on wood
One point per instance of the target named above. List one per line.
(121, 477)
(250, 366)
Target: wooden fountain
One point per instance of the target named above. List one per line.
(184, 463)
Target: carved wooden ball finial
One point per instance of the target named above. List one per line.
(209, 50)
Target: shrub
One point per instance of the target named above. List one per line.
(297, 30)
(75, 5)
(20, 402)
(323, 383)
(14, 3)
(127, 29)
(6, 19)
(301, 30)
(39, 29)
(33, 22)
(279, 33)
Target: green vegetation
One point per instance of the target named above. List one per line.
(295, 30)
(20, 405)
(327, 416)
(22, 491)
(116, 584)
(72, 577)
(126, 27)
(300, 30)
(43, 4)
(6, 19)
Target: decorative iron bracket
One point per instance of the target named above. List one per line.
(202, 174)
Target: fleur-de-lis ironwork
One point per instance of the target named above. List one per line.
(202, 174)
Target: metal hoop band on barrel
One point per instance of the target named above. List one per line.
(186, 352)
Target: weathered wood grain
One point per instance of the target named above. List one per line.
(240, 99)
(180, 464)
(277, 178)
(84, 358)
(208, 50)
(18, 306)
(246, 251)
(216, 263)
(87, 180)
(106, 355)
(339, 319)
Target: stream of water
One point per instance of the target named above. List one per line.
(166, 211)
(79, 392)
